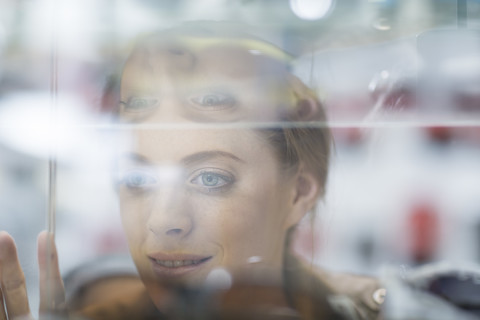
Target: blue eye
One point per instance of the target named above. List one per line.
(214, 101)
(212, 181)
(139, 180)
(136, 104)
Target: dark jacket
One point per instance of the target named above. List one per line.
(312, 294)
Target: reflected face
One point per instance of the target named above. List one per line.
(194, 199)
(217, 84)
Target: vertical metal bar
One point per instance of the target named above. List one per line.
(52, 161)
(52, 177)
(52, 187)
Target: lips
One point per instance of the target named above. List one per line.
(174, 265)
(178, 263)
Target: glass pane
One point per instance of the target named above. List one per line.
(175, 146)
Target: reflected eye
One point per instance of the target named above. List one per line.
(214, 101)
(140, 180)
(136, 104)
(212, 179)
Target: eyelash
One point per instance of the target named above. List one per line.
(223, 180)
(136, 186)
(221, 101)
(131, 105)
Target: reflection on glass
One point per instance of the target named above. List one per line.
(208, 156)
(224, 215)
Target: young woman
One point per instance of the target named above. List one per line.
(229, 152)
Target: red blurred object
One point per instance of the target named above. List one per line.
(443, 134)
(440, 133)
(349, 136)
(423, 227)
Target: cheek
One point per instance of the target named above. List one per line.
(134, 212)
(247, 224)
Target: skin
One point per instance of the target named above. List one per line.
(168, 206)
(240, 217)
(12, 279)
(174, 83)
(189, 185)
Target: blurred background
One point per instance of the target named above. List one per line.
(400, 80)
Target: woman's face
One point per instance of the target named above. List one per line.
(196, 195)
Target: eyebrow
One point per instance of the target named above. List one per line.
(137, 158)
(190, 159)
(208, 155)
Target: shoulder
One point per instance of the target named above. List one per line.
(356, 296)
(365, 292)
(116, 298)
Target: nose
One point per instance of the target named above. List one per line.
(171, 215)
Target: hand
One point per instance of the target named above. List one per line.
(13, 293)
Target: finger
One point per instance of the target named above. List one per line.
(3, 314)
(12, 279)
(52, 295)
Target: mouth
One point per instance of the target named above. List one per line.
(179, 263)
(166, 266)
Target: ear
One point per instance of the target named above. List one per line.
(305, 196)
(306, 105)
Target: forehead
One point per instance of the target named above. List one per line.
(189, 62)
(164, 145)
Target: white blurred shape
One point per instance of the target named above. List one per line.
(311, 9)
(219, 279)
(29, 124)
(205, 10)
(136, 18)
(382, 24)
(466, 66)
(379, 82)
(254, 259)
(169, 174)
(26, 124)
(166, 174)
(72, 25)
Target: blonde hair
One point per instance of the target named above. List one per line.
(305, 137)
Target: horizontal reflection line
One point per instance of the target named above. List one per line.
(262, 125)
